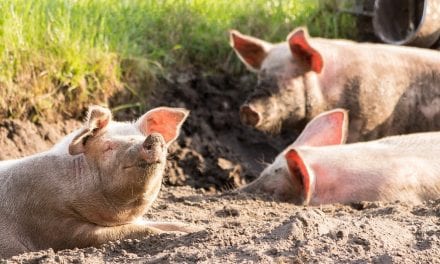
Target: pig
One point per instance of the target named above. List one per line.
(389, 90)
(319, 169)
(91, 187)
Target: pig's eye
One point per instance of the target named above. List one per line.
(85, 139)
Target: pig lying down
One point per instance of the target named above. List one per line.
(92, 187)
(388, 90)
(317, 169)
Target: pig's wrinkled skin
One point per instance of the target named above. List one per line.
(317, 169)
(388, 90)
(91, 187)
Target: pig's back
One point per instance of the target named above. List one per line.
(423, 144)
(403, 168)
(372, 50)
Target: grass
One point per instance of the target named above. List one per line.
(57, 56)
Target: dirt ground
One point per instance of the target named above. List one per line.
(215, 154)
(244, 229)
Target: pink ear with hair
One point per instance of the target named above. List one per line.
(300, 47)
(250, 50)
(166, 121)
(328, 128)
(299, 173)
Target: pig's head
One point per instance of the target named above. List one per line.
(288, 178)
(281, 96)
(122, 163)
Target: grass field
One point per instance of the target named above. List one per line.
(57, 56)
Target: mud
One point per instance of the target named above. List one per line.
(214, 154)
(215, 151)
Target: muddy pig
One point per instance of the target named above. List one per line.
(91, 187)
(387, 89)
(319, 169)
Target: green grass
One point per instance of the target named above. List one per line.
(57, 56)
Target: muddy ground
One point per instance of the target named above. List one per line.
(215, 154)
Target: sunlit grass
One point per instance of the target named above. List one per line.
(61, 55)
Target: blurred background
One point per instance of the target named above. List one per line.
(58, 56)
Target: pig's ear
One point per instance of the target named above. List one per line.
(97, 121)
(250, 50)
(328, 128)
(300, 174)
(163, 120)
(300, 47)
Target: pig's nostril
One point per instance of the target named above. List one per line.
(148, 147)
(153, 148)
(153, 139)
(249, 116)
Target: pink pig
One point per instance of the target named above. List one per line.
(388, 90)
(92, 187)
(317, 169)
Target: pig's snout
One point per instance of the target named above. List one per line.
(153, 148)
(249, 116)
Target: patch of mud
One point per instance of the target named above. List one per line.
(245, 228)
(215, 151)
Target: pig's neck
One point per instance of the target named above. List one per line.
(330, 76)
(319, 87)
(316, 101)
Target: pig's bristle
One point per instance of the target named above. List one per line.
(262, 161)
(275, 128)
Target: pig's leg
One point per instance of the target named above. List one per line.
(134, 231)
(137, 230)
(173, 227)
(87, 236)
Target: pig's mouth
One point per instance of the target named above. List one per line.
(272, 127)
(141, 164)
